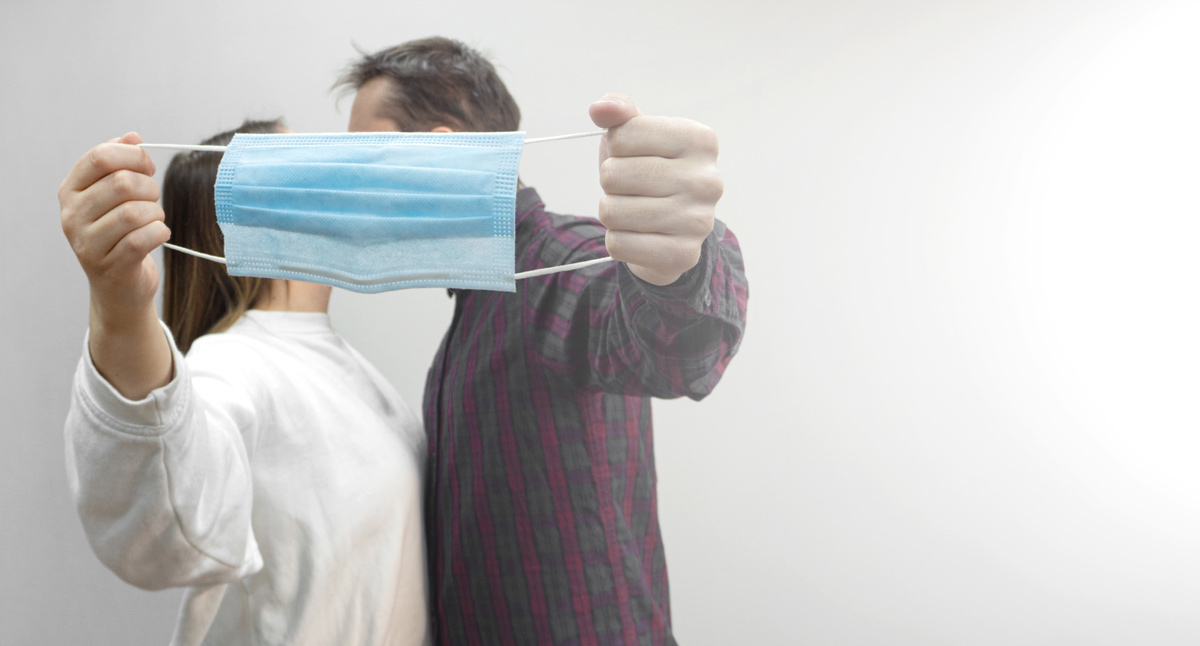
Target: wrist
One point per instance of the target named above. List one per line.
(654, 277)
(129, 348)
(114, 315)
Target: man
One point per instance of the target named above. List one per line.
(541, 513)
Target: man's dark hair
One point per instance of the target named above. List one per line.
(437, 82)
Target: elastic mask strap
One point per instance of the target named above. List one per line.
(197, 254)
(522, 275)
(560, 268)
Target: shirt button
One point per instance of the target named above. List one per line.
(708, 299)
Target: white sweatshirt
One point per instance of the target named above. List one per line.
(278, 476)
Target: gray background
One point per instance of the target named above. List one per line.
(965, 410)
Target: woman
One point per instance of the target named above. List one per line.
(273, 471)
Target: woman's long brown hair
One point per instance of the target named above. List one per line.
(199, 296)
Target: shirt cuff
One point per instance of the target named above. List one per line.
(153, 415)
(691, 293)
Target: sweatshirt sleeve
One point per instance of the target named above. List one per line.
(162, 485)
(609, 329)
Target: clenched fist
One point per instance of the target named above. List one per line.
(111, 217)
(661, 186)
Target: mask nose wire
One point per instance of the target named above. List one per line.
(519, 276)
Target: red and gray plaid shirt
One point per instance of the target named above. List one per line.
(541, 506)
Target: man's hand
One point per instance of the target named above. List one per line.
(111, 217)
(661, 187)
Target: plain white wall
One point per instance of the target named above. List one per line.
(965, 411)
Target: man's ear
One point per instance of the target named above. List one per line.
(442, 129)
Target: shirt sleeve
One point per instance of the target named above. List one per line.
(163, 484)
(605, 327)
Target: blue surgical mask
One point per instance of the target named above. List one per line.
(372, 211)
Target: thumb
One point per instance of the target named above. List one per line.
(612, 110)
(133, 139)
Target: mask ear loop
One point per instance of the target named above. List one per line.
(216, 259)
(554, 270)
(519, 276)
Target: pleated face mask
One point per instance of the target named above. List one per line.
(371, 212)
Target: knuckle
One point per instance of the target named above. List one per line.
(138, 244)
(705, 138)
(614, 241)
(616, 140)
(708, 184)
(79, 246)
(122, 184)
(609, 174)
(714, 189)
(604, 212)
(148, 189)
(102, 157)
(159, 233)
(129, 215)
(86, 251)
(718, 186)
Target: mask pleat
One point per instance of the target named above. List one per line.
(366, 228)
(333, 204)
(366, 177)
(411, 154)
(372, 211)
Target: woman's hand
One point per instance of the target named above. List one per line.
(111, 217)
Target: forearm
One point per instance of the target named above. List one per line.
(608, 328)
(112, 219)
(129, 348)
(687, 332)
(163, 485)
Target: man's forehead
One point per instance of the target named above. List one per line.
(369, 113)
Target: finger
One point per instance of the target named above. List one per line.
(612, 110)
(662, 253)
(640, 176)
(137, 244)
(103, 236)
(669, 137)
(112, 190)
(656, 215)
(657, 177)
(105, 159)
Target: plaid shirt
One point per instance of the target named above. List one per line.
(541, 506)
